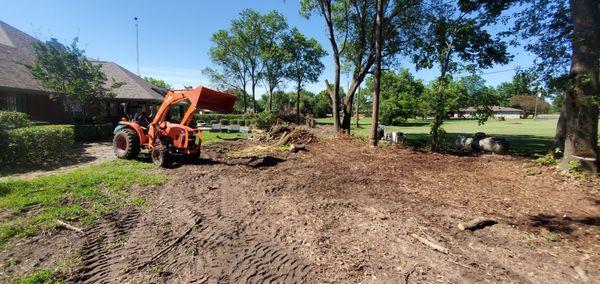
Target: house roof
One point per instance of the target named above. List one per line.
(16, 49)
(494, 109)
(135, 87)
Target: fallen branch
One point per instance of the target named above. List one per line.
(476, 223)
(69, 226)
(408, 273)
(169, 247)
(430, 244)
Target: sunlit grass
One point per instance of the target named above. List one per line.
(524, 135)
(31, 205)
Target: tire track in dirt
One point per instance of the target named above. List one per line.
(228, 246)
(100, 254)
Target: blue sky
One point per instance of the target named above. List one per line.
(174, 35)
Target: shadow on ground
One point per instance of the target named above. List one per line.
(562, 224)
(81, 153)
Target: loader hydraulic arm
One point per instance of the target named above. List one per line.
(198, 98)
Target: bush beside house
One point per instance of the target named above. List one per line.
(35, 144)
(21, 142)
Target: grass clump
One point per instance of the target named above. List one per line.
(33, 205)
(40, 276)
(547, 160)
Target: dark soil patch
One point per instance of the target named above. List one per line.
(344, 212)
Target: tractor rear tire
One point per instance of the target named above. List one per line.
(160, 156)
(126, 144)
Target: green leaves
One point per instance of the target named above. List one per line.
(67, 73)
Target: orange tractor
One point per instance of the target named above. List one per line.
(171, 132)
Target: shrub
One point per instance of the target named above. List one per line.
(265, 120)
(92, 132)
(13, 119)
(224, 121)
(36, 144)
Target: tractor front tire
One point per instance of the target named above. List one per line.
(126, 144)
(160, 156)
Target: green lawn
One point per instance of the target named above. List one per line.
(214, 137)
(526, 136)
(29, 206)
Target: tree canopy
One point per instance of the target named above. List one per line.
(68, 75)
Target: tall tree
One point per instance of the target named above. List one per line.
(226, 53)
(274, 55)
(583, 95)
(66, 72)
(545, 27)
(352, 22)
(249, 30)
(399, 96)
(329, 10)
(377, 72)
(305, 62)
(456, 33)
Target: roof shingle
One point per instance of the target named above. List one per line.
(16, 49)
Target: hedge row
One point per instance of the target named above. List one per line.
(35, 144)
(93, 132)
(13, 119)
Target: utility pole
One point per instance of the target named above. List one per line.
(137, 44)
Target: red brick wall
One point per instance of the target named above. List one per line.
(41, 107)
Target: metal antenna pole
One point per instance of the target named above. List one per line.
(137, 45)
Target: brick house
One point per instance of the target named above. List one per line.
(20, 91)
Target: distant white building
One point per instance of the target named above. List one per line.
(506, 112)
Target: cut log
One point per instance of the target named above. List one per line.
(430, 244)
(69, 226)
(477, 223)
(297, 147)
(285, 138)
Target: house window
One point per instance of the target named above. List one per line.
(13, 103)
(8, 102)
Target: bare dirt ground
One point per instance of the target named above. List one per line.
(340, 212)
(81, 155)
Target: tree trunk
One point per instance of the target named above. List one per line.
(347, 119)
(245, 103)
(561, 130)
(270, 100)
(335, 97)
(439, 115)
(377, 74)
(253, 97)
(581, 106)
(357, 107)
(298, 103)
(333, 94)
